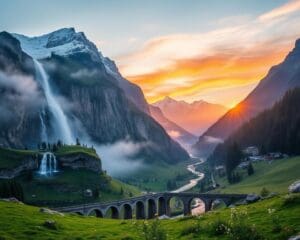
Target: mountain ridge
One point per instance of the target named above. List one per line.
(279, 79)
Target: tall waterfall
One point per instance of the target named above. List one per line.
(62, 128)
(48, 164)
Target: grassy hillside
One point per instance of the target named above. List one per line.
(155, 177)
(66, 187)
(276, 176)
(74, 149)
(255, 221)
(11, 158)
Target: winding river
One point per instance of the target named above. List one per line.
(193, 182)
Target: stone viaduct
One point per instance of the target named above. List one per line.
(150, 205)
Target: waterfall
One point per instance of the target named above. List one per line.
(44, 135)
(62, 128)
(48, 164)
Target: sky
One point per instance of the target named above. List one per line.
(189, 50)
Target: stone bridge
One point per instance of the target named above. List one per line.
(150, 205)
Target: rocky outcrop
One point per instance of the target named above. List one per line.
(80, 160)
(28, 164)
(295, 187)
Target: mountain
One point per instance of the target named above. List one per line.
(270, 89)
(67, 42)
(176, 132)
(96, 101)
(274, 130)
(195, 117)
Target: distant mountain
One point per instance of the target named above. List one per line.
(195, 117)
(99, 104)
(273, 130)
(176, 132)
(271, 88)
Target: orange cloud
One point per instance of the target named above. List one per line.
(187, 77)
(222, 65)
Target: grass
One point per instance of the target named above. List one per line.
(275, 176)
(67, 188)
(75, 149)
(11, 158)
(155, 177)
(20, 221)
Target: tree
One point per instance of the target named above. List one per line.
(233, 159)
(77, 142)
(250, 169)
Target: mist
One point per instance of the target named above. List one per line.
(117, 159)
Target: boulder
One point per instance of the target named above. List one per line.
(50, 224)
(12, 199)
(295, 238)
(251, 198)
(49, 211)
(295, 187)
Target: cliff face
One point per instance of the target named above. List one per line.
(100, 104)
(80, 160)
(19, 119)
(106, 113)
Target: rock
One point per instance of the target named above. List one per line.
(51, 224)
(88, 193)
(12, 199)
(295, 187)
(295, 238)
(251, 198)
(49, 211)
(163, 217)
(80, 160)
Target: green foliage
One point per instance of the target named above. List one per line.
(276, 129)
(264, 192)
(10, 188)
(191, 229)
(153, 231)
(250, 169)
(233, 158)
(218, 227)
(291, 199)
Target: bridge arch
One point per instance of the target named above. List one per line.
(175, 206)
(112, 212)
(127, 211)
(140, 210)
(162, 206)
(196, 206)
(95, 212)
(151, 208)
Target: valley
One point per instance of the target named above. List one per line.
(190, 129)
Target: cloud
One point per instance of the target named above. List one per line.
(185, 66)
(119, 158)
(174, 134)
(84, 73)
(286, 9)
(19, 94)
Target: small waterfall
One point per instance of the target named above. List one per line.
(62, 128)
(48, 164)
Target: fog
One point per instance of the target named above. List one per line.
(117, 158)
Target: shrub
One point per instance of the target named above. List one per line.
(264, 192)
(191, 229)
(218, 227)
(153, 230)
(239, 229)
(291, 199)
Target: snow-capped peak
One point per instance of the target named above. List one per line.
(65, 41)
